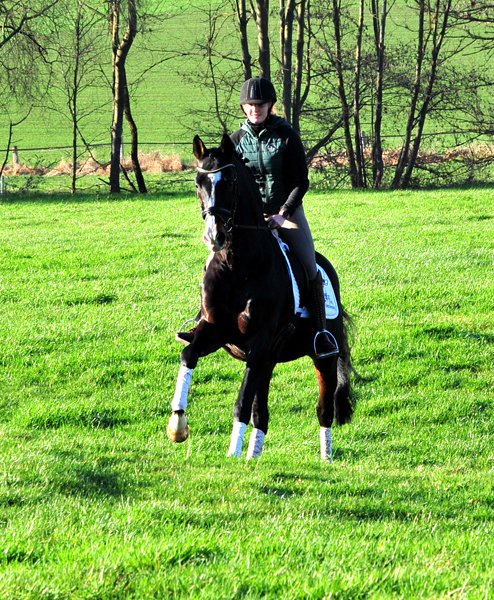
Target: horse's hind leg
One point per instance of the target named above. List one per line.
(327, 379)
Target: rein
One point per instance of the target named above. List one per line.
(225, 215)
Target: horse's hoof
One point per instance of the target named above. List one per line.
(177, 429)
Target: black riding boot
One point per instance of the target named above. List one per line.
(186, 337)
(324, 341)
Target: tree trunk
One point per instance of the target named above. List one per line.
(298, 99)
(345, 110)
(134, 151)
(438, 39)
(286, 50)
(405, 148)
(377, 151)
(120, 50)
(359, 151)
(244, 41)
(262, 21)
(73, 96)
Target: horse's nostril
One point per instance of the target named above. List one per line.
(220, 239)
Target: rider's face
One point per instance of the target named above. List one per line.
(256, 113)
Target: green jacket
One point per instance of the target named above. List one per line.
(277, 159)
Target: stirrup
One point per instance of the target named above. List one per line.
(333, 352)
(181, 328)
(186, 336)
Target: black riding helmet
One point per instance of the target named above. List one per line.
(257, 90)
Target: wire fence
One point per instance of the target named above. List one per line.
(435, 134)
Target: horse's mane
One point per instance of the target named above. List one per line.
(245, 172)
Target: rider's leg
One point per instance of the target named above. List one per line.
(296, 233)
(324, 342)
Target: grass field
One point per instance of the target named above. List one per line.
(95, 503)
(166, 104)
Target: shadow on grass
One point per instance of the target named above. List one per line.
(78, 475)
(446, 332)
(17, 554)
(91, 419)
(99, 299)
(37, 196)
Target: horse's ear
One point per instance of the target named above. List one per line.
(227, 146)
(199, 147)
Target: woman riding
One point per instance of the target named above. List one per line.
(276, 156)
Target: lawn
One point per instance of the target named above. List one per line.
(96, 503)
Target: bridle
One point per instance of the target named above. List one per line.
(225, 215)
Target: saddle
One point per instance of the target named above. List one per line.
(300, 287)
(300, 283)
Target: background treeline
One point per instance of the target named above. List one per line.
(393, 94)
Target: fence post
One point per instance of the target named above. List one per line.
(15, 156)
(121, 150)
(2, 184)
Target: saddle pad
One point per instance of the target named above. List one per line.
(332, 309)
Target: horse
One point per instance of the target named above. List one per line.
(247, 307)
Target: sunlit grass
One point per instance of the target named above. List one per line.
(96, 503)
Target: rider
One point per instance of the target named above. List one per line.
(276, 156)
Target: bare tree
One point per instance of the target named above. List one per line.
(345, 107)
(17, 18)
(261, 13)
(24, 68)
(76, 49)
(379, 23)
(438, 21)
(359, 150)
(126, 12)
(243, 19)
(301, 84)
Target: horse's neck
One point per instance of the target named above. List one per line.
(249, 205)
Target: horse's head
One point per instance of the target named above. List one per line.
(216, 183)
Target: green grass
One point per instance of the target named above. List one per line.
(166, 104)
(95, 503)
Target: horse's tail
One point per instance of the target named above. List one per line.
(344, 399)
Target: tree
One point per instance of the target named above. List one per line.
(76, 49)
(121, 44)
(379, 24)
(438, 21)
(24, 69)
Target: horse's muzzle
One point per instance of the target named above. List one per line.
(214, 235)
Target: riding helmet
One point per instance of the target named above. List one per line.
(257, 90)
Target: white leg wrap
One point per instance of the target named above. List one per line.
(256, 443)
(237, 439)
(326, 443)
(179, 401)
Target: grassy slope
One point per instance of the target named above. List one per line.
(96, 503)
(161, 104)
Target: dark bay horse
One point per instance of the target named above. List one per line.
(247, 307)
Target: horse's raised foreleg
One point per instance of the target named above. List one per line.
(327, 379)
(205, 342)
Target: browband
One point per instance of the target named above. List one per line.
(201, 170)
